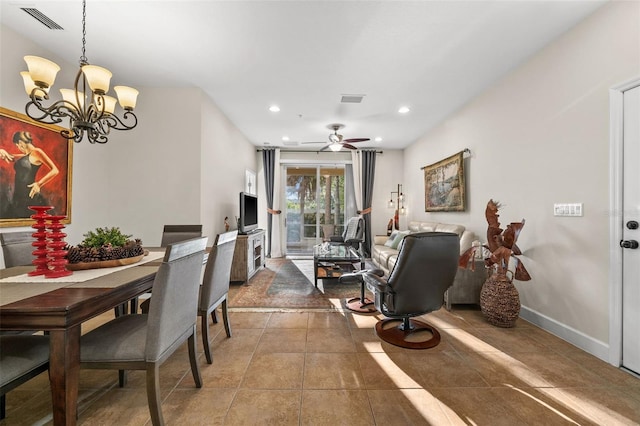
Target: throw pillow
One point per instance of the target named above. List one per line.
(389, 242)
(398, 239)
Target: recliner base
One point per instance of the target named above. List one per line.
(356, 304)
(397, 335)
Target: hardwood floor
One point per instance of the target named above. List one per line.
(329, 368)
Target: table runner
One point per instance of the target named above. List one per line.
(80, 276)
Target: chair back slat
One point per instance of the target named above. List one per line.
(172, 310)
(217, 273)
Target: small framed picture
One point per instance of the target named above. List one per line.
(250, 182)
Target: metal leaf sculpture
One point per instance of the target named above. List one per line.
(501, 245)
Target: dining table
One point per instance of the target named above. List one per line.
(59, 306)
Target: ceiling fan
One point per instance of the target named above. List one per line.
(336, 141)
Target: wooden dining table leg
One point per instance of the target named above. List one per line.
(64, 374)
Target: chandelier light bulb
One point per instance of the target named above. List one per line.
(42, 71)
(29, 86)
(127, 96)
(69, 96)
(98, 78)
(109, 104)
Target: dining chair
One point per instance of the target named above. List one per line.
(16, 248)
(145, 341)
(170, 234)
(21, 359)
(215, 286)
(175, 233)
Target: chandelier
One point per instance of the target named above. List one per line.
(91, 114)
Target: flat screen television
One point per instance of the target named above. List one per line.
(248, 213)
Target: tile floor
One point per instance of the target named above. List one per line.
(329, 368)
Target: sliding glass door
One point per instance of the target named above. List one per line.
(315, 205)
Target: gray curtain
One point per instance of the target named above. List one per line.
(351, 209)
(368, 173)
(269, 163)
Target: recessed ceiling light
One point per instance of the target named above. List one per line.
(285, 138)
(274, 108)
(404, 110)
(378, 139)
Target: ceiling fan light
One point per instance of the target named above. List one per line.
(42, 71)
(127, 96)
(98, 78)
(335, 147)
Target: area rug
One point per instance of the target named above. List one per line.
(288, 284)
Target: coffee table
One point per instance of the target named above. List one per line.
(333, 260)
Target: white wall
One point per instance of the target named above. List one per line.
(541, 136)
(177, 166)
(225, 157)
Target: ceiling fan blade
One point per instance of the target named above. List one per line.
(324, 148)
(346, 145)
(311, 142)
(354, 140)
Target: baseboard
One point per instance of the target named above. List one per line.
(571, 335)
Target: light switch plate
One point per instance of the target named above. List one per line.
(567, 209)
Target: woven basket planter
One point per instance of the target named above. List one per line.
(500, 301)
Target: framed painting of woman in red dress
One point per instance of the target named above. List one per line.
(35, 169)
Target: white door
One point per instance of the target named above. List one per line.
(631, 232)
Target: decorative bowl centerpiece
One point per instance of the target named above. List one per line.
(104, 248)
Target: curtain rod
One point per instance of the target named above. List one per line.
(302, 150)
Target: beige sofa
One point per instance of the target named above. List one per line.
(467, 284)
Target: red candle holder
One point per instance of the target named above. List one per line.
(57, 260)
(40, 243)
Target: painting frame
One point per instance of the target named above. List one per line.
(250, 182)
(56, 191)
(444, 185)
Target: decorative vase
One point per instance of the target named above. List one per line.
(500, 301)
(40, 243)
(56, 244)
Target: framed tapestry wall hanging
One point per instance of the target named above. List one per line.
(444, 187)
(35, 169)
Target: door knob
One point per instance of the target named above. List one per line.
(632, 224)
(630, 244)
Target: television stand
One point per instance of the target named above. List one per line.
(248, 256)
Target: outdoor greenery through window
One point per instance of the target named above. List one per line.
(315, 205)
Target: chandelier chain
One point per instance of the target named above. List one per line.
(83, 58)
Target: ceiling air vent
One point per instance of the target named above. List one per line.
(42, 18)
(351, 99)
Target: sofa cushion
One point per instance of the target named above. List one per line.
(422, 226)
(446, 227)
(398, 239)
(383, 255)
(391, 239)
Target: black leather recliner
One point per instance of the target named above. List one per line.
(425, 269)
